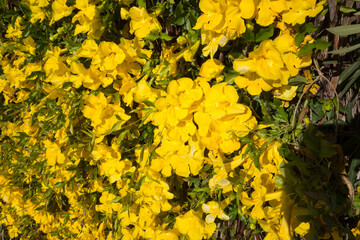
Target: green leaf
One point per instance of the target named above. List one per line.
(281, 115)
(348, 71)
(115, 126)
(28, 30)
(246, 140)
(59, 184)
(249, 35)
(306, 28)
(350, 83)
(346, 9)
(299, 38)
(298, 80)
(354, 169)
(319, 44)
(306, 49)
(24, 7)
(279, 181)
(115, 200)
(141, 3)
(257, 161)
(345, 50)
(148, 103)
(264, 34)
(121, 136)
(156, 35)
(180, 19)
(165, 37)
(318, 111)
(345, 30)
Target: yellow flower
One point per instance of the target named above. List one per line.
(270, 66)
(183, 158)
(53, 153)
(220, 178)
(14, 76)
(213, 17)
(302, 9)
(214, 210)
(87, 10)
(88, 18)
(221, 119)
(142, 23)
(55, 63)
(111, 55)
(15, 32)
(268, 10)
(212, 68)
(286, 93)
(155, 195)
(89, 78)
(356, 230)
(13, 231)
(222, 21)
(190, 51)
(60, 10)
(89, 49)
(253, 83)
(106, 205)
(39, 3)
(182, 98)
(191, 225)
(303, 228)
(37, 13)
(103, 115)
(110, 163)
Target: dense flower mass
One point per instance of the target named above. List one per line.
(117, 124)
(271, 65)
(223, 21)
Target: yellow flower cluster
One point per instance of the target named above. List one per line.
(223, 21)
(219, 120)
(270, 65)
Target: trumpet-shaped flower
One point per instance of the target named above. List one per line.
(15, 31)
(107, 205)
(183, 158)
(213, 211)
(102, 114)
(110, 163)
(88, 19)
(53, 153)
(60, 10)
(221, 119)
(212, 68)
(182, 99)
(142, 23)
(300, 10)
(270, 66)
(155, 194)
(191, 225)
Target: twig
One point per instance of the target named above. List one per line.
(336, 95)
(299, 101)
